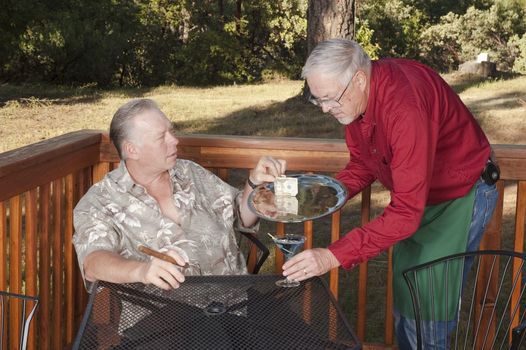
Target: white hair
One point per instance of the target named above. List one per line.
(338, 58)
(121, 127)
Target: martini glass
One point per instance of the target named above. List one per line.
(289, 244)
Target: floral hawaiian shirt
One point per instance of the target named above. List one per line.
(117, 215)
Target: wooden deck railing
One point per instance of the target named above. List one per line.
(41, 183)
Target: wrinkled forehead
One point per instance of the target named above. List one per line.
(149, 121)
(322, 85)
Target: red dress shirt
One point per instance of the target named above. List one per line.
(420, 141)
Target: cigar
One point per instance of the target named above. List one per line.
(144, 249)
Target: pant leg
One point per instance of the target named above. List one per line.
(405, 329)
(434, 334)
(485, 202)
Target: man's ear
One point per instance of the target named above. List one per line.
(361, 80)
(130, 150)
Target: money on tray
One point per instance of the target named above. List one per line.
(286, 186)
(286, 205)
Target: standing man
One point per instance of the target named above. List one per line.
(407, 128)
(165, 203)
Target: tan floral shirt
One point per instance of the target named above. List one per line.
(117, 215)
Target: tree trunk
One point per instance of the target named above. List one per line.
(184, 26)
(328, 19)
(221, 10)
(239, 14)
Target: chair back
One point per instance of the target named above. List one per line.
(253, 249)
(473, 300)
(17, 311)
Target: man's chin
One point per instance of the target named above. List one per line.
(345, 120)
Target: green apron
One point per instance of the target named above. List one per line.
(443, 231)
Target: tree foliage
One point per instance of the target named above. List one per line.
(395, 27)
(518, 48)
(190, 42)
(435, 9)
(460, 38)
(150, 42)
(444, 34)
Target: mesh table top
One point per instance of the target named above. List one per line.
(215, 312)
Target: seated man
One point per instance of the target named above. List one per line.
(171, 205)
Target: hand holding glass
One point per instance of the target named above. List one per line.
(289, 244)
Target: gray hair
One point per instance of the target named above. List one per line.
(339, 58)
(120, 127)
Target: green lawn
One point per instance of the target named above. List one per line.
(30, 113)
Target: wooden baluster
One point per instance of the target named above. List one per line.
(307, 229)
(69, 262)
(280, 231)
(520, 215)
(490, 240)
(362, 273)
(43, 316)
(335, 235)
(334, 278)
(307, 307)
(15, 268)
(3, 266)
(82, 295)
(389, 319)
(100, 170)
(223, 174)
(57, 265)
(31, 270)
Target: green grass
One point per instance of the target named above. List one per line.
(33, 113)
(30, 113)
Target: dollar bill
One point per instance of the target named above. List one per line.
(286, 205)
(285, 186)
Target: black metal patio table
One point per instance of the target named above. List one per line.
(215, 312)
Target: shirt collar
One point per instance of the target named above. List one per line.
(368, 115)
(125, 182)
(122, 177)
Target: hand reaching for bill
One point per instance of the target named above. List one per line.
(267, 169)
(309, 263)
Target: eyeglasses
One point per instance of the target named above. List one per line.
(329, 103)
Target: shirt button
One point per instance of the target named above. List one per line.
(374, 150)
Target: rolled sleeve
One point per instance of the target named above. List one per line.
(92, 233)
(411, 168)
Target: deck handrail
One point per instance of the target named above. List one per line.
(41, 183)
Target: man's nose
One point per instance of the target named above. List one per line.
(325, 108)
(174, 139)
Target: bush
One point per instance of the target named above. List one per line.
(460, 38)
(518, 47)
(364, 37)
(393, 27)
(151, 42)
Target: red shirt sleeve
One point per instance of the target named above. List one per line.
(355, 176)
(412, 139)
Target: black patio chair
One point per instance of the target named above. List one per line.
(26, 306)
(488, 305)
(253, 249)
